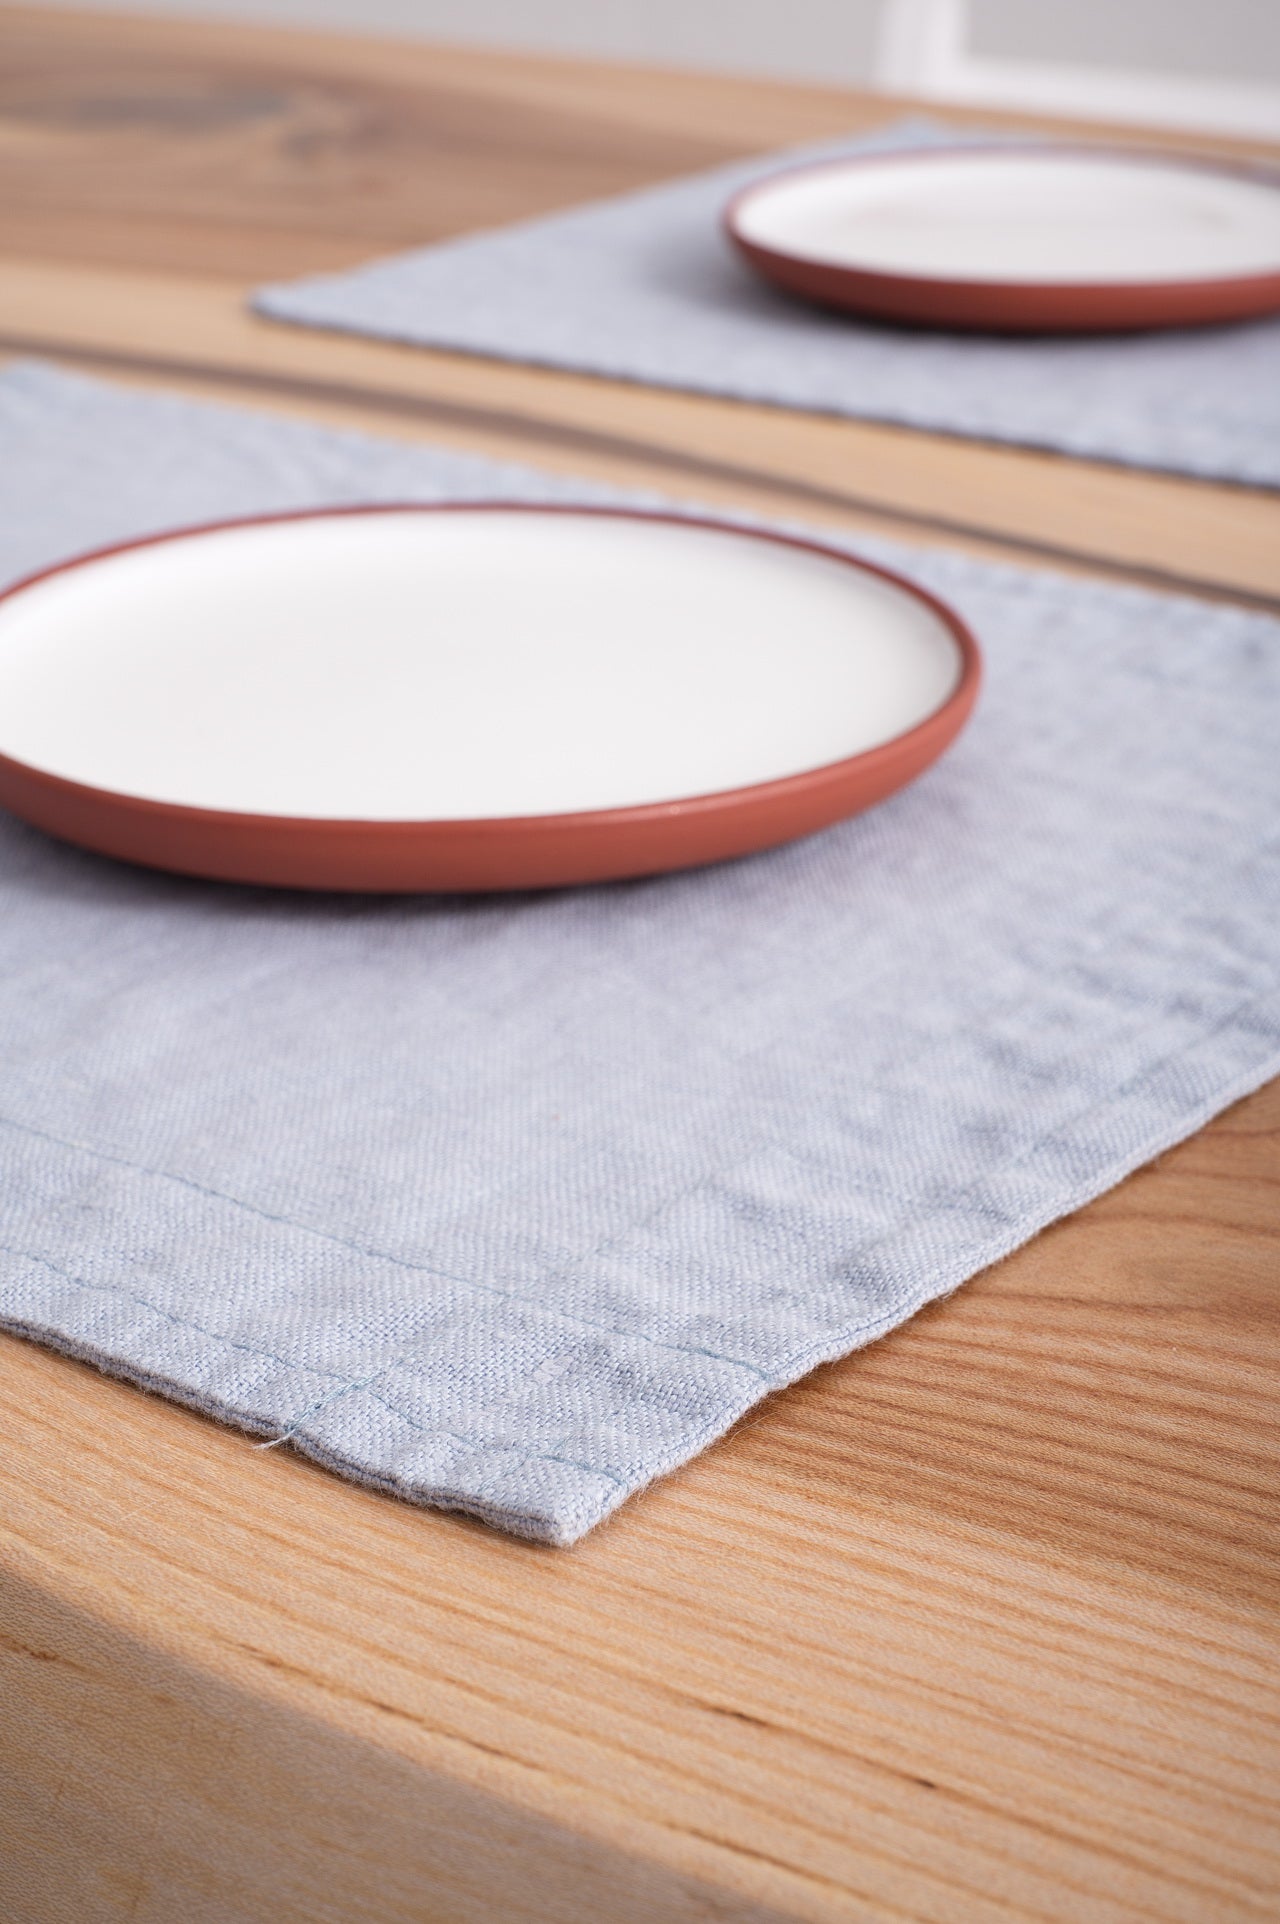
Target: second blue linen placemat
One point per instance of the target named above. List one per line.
(645, 288)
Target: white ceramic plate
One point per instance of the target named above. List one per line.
(438, 666)
(1095, 226)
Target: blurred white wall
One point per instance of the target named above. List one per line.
(1219, 39)
(831, 40)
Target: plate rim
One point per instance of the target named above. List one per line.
(928, 736)
(1246, 294)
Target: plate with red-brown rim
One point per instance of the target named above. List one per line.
(1023, 239)
(466, 697)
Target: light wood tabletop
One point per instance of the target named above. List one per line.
(981, 1626)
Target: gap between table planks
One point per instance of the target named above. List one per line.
(1169, 531)
(978, 1625)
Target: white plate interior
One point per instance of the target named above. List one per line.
(1047, 218)
(400, 666)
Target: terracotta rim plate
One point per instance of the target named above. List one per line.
(1019, 239)
(466, 697)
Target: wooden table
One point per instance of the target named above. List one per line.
(977, 1627)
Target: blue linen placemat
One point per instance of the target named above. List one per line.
(512, 1204)
(645, 288)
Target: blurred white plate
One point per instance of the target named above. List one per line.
(1047, 237)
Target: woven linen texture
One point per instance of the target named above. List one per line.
(645, 288)
(512, 1204)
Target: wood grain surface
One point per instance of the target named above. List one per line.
(213, 149)
(981, 1626)
(978, 1625)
